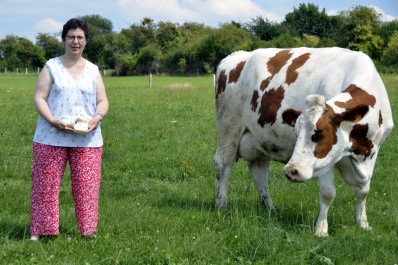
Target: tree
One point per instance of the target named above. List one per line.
(182, 58)
(307, 19)
(140, 35)
(390, 54)
(366, 41)
(97, 24)
(51, 46)
(95, 49)
(191, 32)
(220, 43)
(387, 29)
(332, 36)
(286, 40)
(167, 35)
(117, 48)
(359, 25)
(99, 28)
(125, 64)
(310, 40)
(175, 57)
(264, 29)
(148, 59)
(20, 52)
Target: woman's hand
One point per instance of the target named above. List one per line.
(93, 123)
(61, 125)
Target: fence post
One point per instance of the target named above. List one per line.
(150, 80)
(26, 71)
(5, 70)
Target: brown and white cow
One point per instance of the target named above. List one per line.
(317, 109)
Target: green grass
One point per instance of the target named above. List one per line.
(158, 187)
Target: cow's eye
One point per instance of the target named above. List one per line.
(316, 136)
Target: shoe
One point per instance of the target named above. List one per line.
(34, 237)
(91, 238)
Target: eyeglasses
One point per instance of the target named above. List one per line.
(72, 38)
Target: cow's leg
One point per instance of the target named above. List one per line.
(360, 216)
(260, 171)
(360, 184)
(327, 195)
(224, 159)
(223, 173)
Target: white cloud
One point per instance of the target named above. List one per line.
(162, 10)
(243, 9)
(333, 12)
(384, 16)
(48, 25)
(210, 12)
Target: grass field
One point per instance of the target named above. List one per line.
(158, 187)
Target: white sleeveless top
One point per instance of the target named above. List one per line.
(74, 97)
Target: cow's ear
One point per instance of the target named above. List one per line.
(290, 116)
(356, 113)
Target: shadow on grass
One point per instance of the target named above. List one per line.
(14, 231)
(293, 220)
(178, 201)
(18, 232)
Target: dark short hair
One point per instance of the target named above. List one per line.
(75, 23)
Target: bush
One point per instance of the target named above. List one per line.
(390, 54)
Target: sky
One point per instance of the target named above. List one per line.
(27, 18)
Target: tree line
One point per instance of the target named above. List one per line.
(194, 48)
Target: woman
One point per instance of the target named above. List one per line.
(69, 87)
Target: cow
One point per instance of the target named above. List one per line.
(316, 109)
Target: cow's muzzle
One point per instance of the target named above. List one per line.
(297, 174)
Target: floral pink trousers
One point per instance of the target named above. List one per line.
(49, 163)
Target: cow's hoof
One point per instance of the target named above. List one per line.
(365, 225)
(221, 204)
(321, 229)
(321, 234)
(266, 203)
(271, 209)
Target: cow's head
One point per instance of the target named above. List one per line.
(320, 140)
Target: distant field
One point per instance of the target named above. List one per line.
(158, 188)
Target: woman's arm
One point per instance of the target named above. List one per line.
(102, 104)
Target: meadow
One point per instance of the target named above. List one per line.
(158, 188)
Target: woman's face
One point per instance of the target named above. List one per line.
(75, 41)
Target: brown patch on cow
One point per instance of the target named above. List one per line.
(274, 65)
(358, 97)
(355, 114)
(264, 84)
(361, 145)
(292, 74)
(327, 126)
(380, 119)
(289, 116)
(329, 122)
(254, 101)
(234, 74)
(270, 104)
(221, 83)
